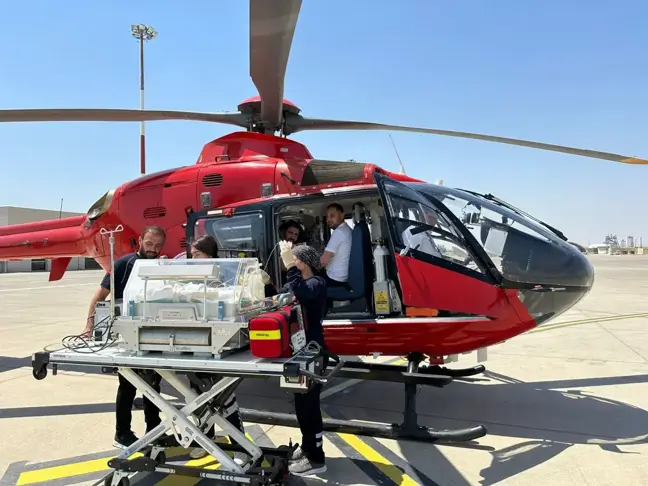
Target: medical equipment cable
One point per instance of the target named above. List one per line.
(270, 256)
(79, 344)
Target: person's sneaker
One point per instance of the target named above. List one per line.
(124, 441)
(198, 453)
(305, 467)
(240, 458)
(298, 455)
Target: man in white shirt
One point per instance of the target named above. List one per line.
(336, 254)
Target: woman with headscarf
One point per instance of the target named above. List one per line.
(309, 289)
(207, 247)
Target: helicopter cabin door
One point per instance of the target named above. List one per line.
(437, 268)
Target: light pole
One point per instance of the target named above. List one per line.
(142, 33)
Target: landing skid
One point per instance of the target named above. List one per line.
(411, 376)
(455, 373)
(431, 375)
(410, 429)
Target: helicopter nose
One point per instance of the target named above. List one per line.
(562, 274)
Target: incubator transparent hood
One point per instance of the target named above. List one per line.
(197, 306)
(216, 289)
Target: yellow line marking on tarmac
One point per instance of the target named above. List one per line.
(76, 469)
(590, 320)
(378, 460)
(66, 470)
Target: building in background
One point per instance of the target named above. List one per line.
(10, 215)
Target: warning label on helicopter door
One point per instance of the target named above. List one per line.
(381, 301)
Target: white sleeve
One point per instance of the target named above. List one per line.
(406, 235)
(334, 243)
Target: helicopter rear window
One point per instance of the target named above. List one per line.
(239, 236)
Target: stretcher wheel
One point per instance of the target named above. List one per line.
(122, 481)
(160, 458)
(40, 373)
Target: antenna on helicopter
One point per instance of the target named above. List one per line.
(402, 167)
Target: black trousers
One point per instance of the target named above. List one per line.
(124, 404)
(332, 283)
(232, 413)
(309, 416)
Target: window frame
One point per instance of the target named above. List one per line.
(488, 273)
(230, 213)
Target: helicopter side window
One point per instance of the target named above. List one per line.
(238, 236)
(423, 230)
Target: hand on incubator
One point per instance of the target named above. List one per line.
(286, 254)
(265, 278)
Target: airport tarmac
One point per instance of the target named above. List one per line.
(564, 404)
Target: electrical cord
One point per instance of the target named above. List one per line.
(270, 256)
(80, 344)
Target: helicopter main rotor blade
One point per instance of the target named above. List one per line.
(272, 27)
(297, 124)
(117, 115)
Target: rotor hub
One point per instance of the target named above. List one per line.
(252, 109)
(252, 106)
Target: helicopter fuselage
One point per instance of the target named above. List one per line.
(472, 301)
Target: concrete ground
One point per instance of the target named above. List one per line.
(564, 404)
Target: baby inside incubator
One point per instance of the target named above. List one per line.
(221, 288)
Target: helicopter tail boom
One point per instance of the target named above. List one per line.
(50, 239)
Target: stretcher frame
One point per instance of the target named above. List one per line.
(234, 367)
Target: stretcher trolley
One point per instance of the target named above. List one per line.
(181, 318)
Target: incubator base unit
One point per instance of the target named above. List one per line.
(200, 307)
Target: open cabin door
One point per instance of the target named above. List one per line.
(437, 268)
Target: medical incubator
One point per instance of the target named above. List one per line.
(191, 306)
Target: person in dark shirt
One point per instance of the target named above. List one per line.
(150, 244)
(207, 247)
(292, 232)
(303, 265)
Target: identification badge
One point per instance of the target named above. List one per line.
(298, 340)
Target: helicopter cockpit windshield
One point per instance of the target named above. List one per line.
(524, 250)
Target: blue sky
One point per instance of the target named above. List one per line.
(569, 73)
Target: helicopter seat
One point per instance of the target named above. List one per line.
(360, 274)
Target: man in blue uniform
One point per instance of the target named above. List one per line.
(150, 244)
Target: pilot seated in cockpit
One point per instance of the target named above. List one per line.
(423, 241)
